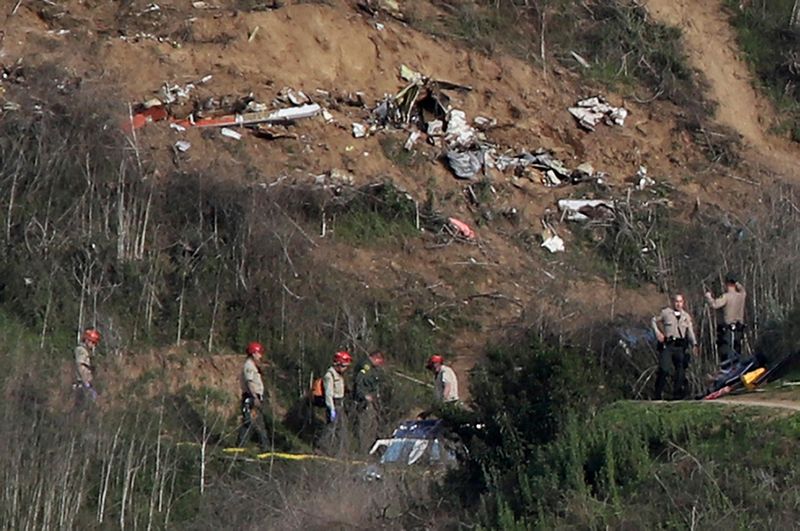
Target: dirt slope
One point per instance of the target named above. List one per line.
(710, 43)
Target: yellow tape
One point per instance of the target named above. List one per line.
(234, 450)
(303, 457)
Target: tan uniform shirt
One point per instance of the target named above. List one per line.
(333, 383)
(446, 375)
(83, 364)
(732, 305)
(675, 326)
(251, 379)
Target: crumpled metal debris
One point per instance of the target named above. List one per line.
(586, 209)
(590, 112)
(334, 177)
(465, 164)
(182, 145)
(295, 97)
(359, 130)
(540, 159)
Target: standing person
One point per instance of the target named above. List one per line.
(84, 370)
(366, 391)
(731, 330)
(674, 337)
(252, 387)
(333, 388)
(445, 384)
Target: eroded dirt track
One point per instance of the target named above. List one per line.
(711, 46)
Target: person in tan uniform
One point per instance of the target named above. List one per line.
(252, 387)
(674, 331)
(445, 384)
(84, 370)
(334, 387)
(730, 331)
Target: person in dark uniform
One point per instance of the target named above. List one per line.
(675, 334)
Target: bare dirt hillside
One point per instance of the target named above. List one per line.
(711, 45)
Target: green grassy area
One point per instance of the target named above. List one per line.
(625, 49)
(772, 47)
(644, 466)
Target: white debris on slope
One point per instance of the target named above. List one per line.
(590, 112)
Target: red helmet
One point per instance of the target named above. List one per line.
(342, 358)
(433, 360)
(91, 335)
(254, 347)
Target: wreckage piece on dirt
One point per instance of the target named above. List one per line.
(590, 112)
(462, 229)
(586, 209)
(281, 116)
(416, 442)
(551, 240)
(749, 374)
(420, 102)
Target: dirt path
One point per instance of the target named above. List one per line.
(751, 402)
(710, 44)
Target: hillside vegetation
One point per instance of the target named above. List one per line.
(310, 241)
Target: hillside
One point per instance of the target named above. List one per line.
(313, 47)
(182, 243)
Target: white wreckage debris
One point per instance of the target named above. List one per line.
(586, 209)
(183, 146)
(552, 241)
(590, 112)
(642, 180)
(230, 133)
(466, 164)
(359, 130)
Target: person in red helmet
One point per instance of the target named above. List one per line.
(84, 370)
(445, 385)
(333, 386)
(252, 387)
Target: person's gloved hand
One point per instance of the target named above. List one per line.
(332, 415)
(91, 390)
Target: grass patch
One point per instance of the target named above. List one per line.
(394, 150)
(622, 44)
(376, 215)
